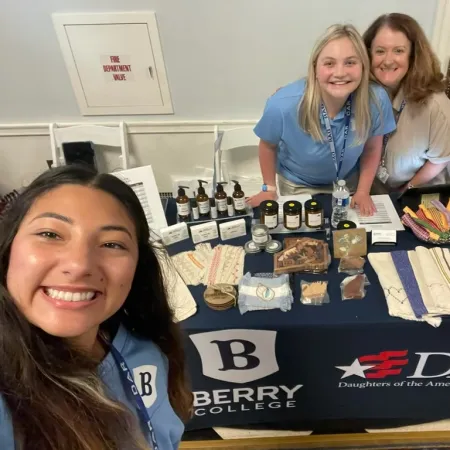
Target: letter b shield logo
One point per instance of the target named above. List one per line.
(237, 356)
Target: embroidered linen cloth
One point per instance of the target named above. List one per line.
(396, 296)
(435, 274)
(223, 264)
(180, 298)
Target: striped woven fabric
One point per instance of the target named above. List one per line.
(444, 211)
(438, 219)
(422, 216)
(420, 232)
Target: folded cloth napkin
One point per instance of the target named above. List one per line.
(190, 267)
(180, 299)
(256, 294)
(223, 264)
(226, 265)
(396, 297)
(432, 276)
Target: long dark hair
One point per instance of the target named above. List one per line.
(424, 75)
(53, 393)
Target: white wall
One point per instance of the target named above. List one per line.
(223, 58)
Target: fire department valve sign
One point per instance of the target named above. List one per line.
(117, 68)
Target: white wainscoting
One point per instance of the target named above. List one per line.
(173, 148)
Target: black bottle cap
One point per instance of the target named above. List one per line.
(201, 189)
(181, 190)
(237, 186)
(220, 186)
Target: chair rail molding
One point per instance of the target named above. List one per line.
(134, 127)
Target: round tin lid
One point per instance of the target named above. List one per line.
(274, 247)
(251, 247)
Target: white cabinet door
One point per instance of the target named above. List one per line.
(115, 63)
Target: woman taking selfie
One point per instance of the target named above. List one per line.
(326, 127)
(90, 357)
(402, 60)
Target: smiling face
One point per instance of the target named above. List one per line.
(390, 52)
(338, 69)
(72, 263)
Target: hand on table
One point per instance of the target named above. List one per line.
(364, 202)
(255, 200)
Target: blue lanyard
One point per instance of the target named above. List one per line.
(387, 136)
(330, 138)
(127, 380)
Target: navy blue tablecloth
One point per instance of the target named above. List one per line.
(346, 359)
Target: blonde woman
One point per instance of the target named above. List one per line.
(326, 127)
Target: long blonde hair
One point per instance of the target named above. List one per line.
(309, 109)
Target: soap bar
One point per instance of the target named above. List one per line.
(232, 229)
(174, 233)
(204, 232)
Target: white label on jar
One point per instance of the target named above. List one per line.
(315, 220)
(239, 203)
(203, 207)
(183, 209)
(221, 204)
(293, 221)
(271, 221)
(262, 239)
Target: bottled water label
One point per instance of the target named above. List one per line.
(343, 201)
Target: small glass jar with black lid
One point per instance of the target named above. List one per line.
(292, 215)
(314, 214)
(268, 211)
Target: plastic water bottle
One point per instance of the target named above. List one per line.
(340, 203)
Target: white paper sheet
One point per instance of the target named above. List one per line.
(142, 181)
(386, 217)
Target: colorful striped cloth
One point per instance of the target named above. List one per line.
(429, 224)
(420, 232)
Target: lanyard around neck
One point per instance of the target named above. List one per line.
(330, 138)
(127, 381)
(387, 136)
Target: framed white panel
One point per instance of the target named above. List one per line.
(115, 62)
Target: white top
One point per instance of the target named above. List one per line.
(423, 134)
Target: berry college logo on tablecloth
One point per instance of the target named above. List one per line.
(240, 357)
(237, 356)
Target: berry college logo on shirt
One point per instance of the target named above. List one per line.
(145, 380)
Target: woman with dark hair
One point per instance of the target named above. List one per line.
(402, 60)
(90, 356)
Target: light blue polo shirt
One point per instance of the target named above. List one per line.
(150, 371)
(300, 158)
